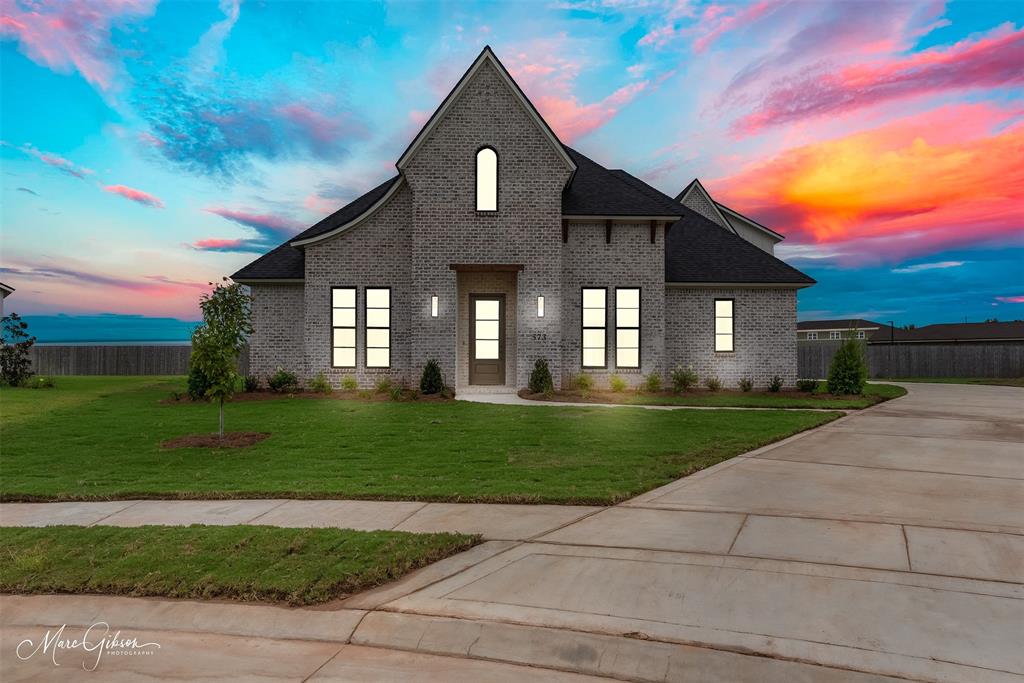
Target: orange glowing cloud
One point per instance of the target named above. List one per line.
(945, 177)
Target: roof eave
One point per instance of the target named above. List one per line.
(372, 209)
(618, 217)
(739, 285)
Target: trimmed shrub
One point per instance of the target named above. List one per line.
(713, 383)
(349, 383)
(251, 383)
(849, 370)
(39, 382)
(652, 382)
(198, 384)
(683, 379)
(807, 385)
(775, 385)
(431, 381)
(283, 382)
(746, 384)
(583, 382)
(383, 385)
(617, 384)
(320, 385)
(540, 378)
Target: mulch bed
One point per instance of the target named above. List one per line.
(229, 440)
(607, 396)
(358, 395)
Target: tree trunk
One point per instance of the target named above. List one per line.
(221, 429)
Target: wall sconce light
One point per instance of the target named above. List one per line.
(433, 306)
(540, 307)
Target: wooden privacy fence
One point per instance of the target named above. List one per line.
(110, 359)
(1004, 359)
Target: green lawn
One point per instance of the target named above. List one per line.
(873, 393)
(98, 438)
(994, 381)
(297, 566)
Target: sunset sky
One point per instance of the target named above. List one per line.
(150, 147)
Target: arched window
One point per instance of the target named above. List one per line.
(486, 180)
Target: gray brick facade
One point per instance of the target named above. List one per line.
(765, 334)
(278, 313)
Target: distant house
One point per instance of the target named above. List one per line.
(832, 330)
(5, 291)
(959, 333)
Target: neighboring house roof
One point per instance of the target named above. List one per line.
(486, 56)
(841, 324)
(596, 191)
(6, 289)
(723, 212)
(960, 332)
(699, 251)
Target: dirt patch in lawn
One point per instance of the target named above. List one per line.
(229, 440)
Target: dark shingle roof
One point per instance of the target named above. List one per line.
(596, 191)
(961, 332)
(841, 324)
(287, 262)
(698, 250)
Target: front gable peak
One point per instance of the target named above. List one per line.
(486, 57)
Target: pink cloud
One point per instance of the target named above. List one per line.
(988, 62)
(52, 159)
(137, 196)
(73, 35)
(262, 222)
(1011, 299)
(719, 22)
(319, 129)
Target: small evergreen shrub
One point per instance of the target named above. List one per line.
(713, 383)
(683, 379)
(540, 378)
(583, 382)
(849, 369)
(383, 385)
(283, 382)
(431, 381)
(652, 382)
(198, 384)
(746, 384)
(807, 385)
(251, 383)
(617, 384)
(320, 385)
(775, 385)
(349, 383)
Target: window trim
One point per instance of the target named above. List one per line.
(835, 335)
(812, 336)
(639, 325)
(476, 179)
(714, 324)
(355, 327)
(366, 329)
(583, 365)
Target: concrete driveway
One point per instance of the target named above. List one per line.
(888, 545)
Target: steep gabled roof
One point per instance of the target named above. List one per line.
(283, 263)
(349, 214)
(695, 186)
(596, 191)
(486, 56)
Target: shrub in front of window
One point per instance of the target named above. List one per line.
(251, 383)
(746, 384)
(807, 385)
(775, 385)
(15, 366)
(617, 384)
(540, 378)
(383, 385)
(583, 382)
(683, 379)
(320, 385)
(652, 382)
(849, 370)
(349, 383)
(283, 382)
(713, 383)
(431, 381)
(395, 392)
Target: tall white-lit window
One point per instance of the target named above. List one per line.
(486, 180)
(594, 327)
(627, 327)
(378, 327)
(343, 327)
(723, 324)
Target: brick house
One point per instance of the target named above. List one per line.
(496, 245)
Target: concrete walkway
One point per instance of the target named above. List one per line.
(887, 545)
(493, 522)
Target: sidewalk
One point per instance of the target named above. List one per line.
(493, 522)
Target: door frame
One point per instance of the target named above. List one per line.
(502, 323)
